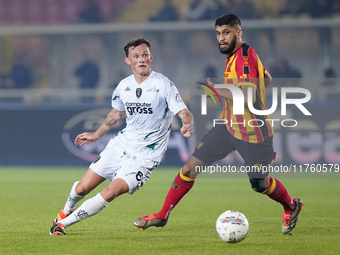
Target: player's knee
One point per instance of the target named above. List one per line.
(256, 185)
(110, 194)
(186, 170)
(192, 167)
(189, 172)
(82, 190)
(115, 188)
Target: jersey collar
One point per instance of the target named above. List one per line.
(147, 79)
(231, 54)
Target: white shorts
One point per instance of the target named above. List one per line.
(114, 162)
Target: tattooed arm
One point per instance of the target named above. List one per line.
(111, 120)
(188, 128)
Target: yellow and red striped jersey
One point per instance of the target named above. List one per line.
(243, 67)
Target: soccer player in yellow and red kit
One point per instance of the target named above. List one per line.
(251, 135)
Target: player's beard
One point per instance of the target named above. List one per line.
(231, 47)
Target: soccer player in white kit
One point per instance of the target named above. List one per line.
(148, 100)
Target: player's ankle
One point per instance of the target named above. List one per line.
(160, 216)
(289, 208)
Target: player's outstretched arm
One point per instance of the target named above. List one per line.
(188, 128)
(111, 120)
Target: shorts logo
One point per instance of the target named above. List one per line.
(139, 176)
(97, 159)
(138, 92)
(200, 144)
(175, 185)
(251, 133)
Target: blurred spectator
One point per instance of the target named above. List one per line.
(210, 72)
(20, 76)
(330, 75)
(167, 13)
(197, 10)
(91, 13)
(318, 8)
(336, 7)
(291, 7)
(216, 9)
(120, 76)
(231, 5)
(88, 73)
(282, 69)
(331, 84)
(245, 9)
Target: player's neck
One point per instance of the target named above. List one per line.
(140, 78)
(237, 46)
(238, 43)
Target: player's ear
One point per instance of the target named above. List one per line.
(151, 57)
(127, 61)
(239, 33)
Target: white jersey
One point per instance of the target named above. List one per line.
(149, 108)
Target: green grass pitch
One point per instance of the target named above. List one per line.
(31, 197)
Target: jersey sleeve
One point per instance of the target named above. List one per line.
(173, 98)
(247, 67)
(116, 102)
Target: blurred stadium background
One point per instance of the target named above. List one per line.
(61, 59)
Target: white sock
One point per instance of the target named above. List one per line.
(90, 207)
(72, 200)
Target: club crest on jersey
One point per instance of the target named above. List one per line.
(138, 92)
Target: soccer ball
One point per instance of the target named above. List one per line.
(232, 226)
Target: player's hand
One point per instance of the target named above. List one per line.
(85, 138)
(210, 83)
(187, 130)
